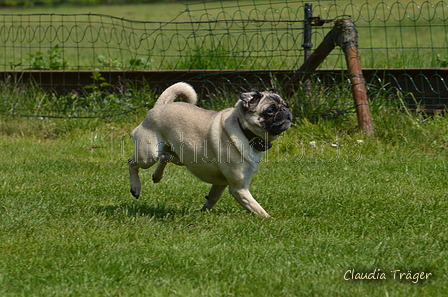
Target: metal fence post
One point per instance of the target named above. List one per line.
(307, 45)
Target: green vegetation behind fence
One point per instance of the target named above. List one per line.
(225, 35)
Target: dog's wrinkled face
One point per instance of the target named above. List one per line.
(272, 112)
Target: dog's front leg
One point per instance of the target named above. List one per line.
(213, 196)
(244, 197)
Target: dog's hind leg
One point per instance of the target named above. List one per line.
(144, 157)
(213, 196)
(158, 173)
(134, 178)
(133, 175)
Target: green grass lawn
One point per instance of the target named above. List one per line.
(69, 226)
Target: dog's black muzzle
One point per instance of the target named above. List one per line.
(281, 121)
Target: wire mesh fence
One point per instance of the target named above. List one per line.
(225, 35)
(236, 36)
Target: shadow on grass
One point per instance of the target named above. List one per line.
(141, 209)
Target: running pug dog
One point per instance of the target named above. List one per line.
(221, 148)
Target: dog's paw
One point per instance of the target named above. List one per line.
(156, 178)
(205, 207)
(135, 192)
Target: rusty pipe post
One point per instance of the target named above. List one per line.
(346, 37)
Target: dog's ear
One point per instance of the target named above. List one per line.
(274, 91)
(250, 99)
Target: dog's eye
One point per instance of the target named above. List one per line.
(271, 110)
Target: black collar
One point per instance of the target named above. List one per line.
(255, 141)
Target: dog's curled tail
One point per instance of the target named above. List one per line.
(177, 90)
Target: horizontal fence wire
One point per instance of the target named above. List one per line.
(239, 36)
